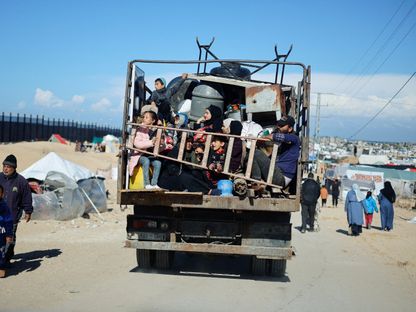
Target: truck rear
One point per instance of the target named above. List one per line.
(244, 223)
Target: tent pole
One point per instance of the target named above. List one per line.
(99, 214)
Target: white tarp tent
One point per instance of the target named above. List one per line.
(69, 190)
(52, 162)
(111, 143)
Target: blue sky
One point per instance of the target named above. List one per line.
(67, 59)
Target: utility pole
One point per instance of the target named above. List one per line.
(316, 139)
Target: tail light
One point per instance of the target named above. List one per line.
(140, 224)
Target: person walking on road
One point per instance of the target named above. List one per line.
(17, 195)
(335, 193)
(370, 206)
(387, 197)
(6, 232)
(309, 196)
(324, 195)
(354, 208)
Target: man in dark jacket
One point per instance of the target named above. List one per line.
(309, 195)
(17, 195)
(335, 192)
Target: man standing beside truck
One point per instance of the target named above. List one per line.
(309, 196)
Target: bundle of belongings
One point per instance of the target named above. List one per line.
(62, 190)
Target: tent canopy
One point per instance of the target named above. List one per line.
(53, 162)
(57, 138)
(110, 138)
(96, 140)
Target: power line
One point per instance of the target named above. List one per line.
(371, 45)
(378, 113)
(385, 60)
(379, 51)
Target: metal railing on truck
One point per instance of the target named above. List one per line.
(301, 113)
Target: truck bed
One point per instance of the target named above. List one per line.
(199, 200)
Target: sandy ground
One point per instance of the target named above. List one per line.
(81, 265)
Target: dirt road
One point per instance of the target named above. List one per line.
(81, 265)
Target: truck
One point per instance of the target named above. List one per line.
(165, 222)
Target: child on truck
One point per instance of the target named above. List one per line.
(144, 139)
(161, 98)
(216, 161)
(6, 232)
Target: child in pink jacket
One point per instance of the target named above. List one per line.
(143, 140)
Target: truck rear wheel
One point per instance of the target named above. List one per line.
(258, 266)
(278, 267)
(163, 259)
(144, 258)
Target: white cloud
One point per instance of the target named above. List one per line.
(46, 98)
(78, 99)
(102, 105)
(339, 99)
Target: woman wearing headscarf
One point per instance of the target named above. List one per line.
(211, 121)
(354, 209)
(238, 153)
(386, 199)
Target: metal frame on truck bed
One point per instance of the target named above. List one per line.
(244, 224)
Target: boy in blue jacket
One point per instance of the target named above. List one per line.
(6, 232)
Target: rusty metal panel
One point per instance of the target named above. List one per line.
(259, 251)
(264, 99)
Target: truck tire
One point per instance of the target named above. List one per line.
(144, 258)
(163, 259)
(258, 266)
(278, 267)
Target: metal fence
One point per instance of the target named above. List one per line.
(17, 128)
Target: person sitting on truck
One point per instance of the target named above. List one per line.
(144, 139)
(216, 161)
(160, 98)
(189, 149)
(288, 154)
(239, 150)
(211, 121)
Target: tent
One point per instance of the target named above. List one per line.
(111, 143)
(57, 138)
(97, 140)
(68, 190)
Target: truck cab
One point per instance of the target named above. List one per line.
(242, 223)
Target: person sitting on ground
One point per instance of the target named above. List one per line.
(160, 98)
(6, 232)
(239, 150)
(286, 163)
(211, 121)
(144, 139)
